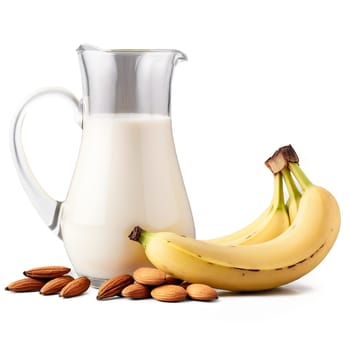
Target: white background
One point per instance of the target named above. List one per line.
(260, 74)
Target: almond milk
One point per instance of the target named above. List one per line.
(127, 174)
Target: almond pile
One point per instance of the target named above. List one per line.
(145, 282)
(50, 280)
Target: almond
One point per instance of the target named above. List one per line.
(136, 291)
(169, 292)
(198, 291)
(149, 276)
(26, 285)
(55, 285)
(46, 272)
(114, 286)
(76, 287)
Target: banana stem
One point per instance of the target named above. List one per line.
(137, 234)
(278, 197)
(293, 191)
(300, 175)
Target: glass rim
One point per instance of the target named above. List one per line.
(87, 47)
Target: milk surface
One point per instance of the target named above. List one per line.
(127, 174)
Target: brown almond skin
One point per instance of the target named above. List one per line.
(136, 291)
(149, 276)
(47, 272)
(75, 288)
(26, 285)
(55, 285)
(202, 292)
(114, 286)
(169, 293)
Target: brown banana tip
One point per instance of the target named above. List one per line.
(281, 158)
(136, 233)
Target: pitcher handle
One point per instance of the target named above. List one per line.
(47, 207)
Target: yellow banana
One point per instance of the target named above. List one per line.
(272, 222)
(294, 195)
(262, 266)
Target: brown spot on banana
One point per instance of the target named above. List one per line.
(282, 267)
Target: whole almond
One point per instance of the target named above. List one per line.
(75, 288)
(149, 276)
(198, 291)
(55, 285)
(26, 285)
(136, 291)
(47, 272)
(114, 286)
(169, 292)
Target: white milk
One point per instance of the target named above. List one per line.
(127, 174)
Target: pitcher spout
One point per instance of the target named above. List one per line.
(85, 47)
(179, 56)
(127, 81)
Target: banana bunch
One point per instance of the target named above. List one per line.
(285, 242)
(279, 215)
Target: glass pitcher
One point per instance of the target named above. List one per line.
(127, 172)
